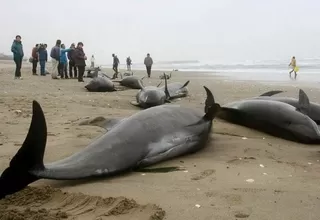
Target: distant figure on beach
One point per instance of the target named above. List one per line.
(72, 65)
(92, 61)
(129, 62)
(115, 65)
(35, 60)
(17, 50)
(64, 61)
(43, 58)
(80, 61)
(55, 55)
(148, 63)
(293, 64)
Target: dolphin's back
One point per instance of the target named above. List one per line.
(124, 145)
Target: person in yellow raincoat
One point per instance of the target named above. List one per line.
(294, 66)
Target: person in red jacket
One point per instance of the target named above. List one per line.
(35, 59)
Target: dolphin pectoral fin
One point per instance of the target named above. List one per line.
(159, 169)
(184, 85)
(171, 146)
(271, 93)
(102, 122)
(29, 157)
(304, 103)
(135, 103)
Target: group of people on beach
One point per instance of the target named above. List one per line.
(61, 58)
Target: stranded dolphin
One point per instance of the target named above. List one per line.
(177, 89)
(145, 138)
(132, 82)
(276, 118)
(100, 84)
(313, 113)
(151, 96)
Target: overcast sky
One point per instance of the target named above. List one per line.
(207, 30)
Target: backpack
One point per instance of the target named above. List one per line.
(55, 53)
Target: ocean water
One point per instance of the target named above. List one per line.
(269, 70)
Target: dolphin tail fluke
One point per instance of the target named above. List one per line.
(271, 93)
(166, 91)
(29, 156)
(211, 108)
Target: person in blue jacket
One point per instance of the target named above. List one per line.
(43, 58)
(18, 54)
(64, 61)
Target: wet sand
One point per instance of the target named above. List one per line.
(285, 174)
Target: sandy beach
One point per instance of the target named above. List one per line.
(215, 185)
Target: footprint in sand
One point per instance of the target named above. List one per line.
(241, 215)
(203, 174)
(46, 203)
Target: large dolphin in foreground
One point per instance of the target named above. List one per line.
(151, 96)
(145, 138)
(314, 110)
(275, 118)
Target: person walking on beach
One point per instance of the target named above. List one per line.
(17, 50)
(35, 60)
(92, 61)
(148, 63)
(293, 64)
(64, 61)
(72, 65)
(80, 61)
(43, 58)
(129, 62)
(55, 55)
(115, 66)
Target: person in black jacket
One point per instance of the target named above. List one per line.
(72, 65)
(115, 65)
(80, 58)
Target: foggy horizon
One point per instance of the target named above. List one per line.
(221, 31)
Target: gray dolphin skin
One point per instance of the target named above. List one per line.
(276, 118)
(151, 96)
(131, 82)
(177, 89)
(143, 139)
(313, 113)
(100, 84)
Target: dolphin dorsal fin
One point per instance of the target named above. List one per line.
(304, 103)
(184, 85)
(166, 87)
(211, 108)
(271, 93)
